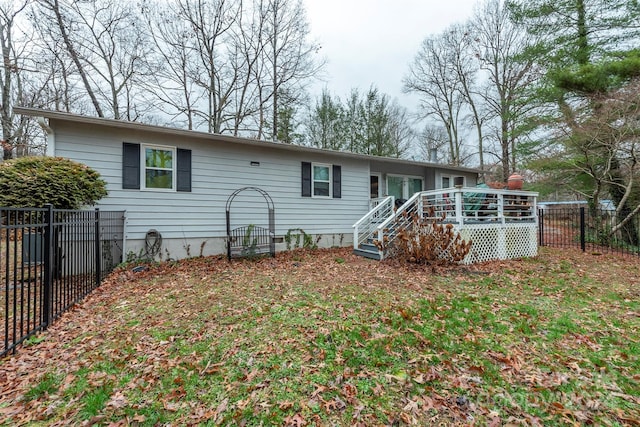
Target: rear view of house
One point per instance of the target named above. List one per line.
(175, 185)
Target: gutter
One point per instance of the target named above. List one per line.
(51, 136)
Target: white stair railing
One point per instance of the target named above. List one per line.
(365, 229)
(388, 230)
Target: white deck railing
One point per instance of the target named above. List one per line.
(365, 229)
(472, 205)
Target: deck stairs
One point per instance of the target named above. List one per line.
(366, 229)
(379, 225)
(368, 250)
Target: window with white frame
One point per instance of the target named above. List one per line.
(449, 181)
(321, 181)
(156, 168)
(158, 165)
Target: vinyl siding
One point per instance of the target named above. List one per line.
(218, 169)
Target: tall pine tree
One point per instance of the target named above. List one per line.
(592, 68)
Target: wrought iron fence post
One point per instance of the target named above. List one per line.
(582, 230)
(48, 266)
(97, 248)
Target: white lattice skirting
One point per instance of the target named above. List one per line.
(500, 241)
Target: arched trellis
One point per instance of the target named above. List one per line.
(250, 239)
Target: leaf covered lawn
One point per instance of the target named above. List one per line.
(328, 338)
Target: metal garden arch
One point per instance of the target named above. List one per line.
(250, 240)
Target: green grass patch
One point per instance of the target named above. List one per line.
(47, 384)
(326, 338)
(93, 401)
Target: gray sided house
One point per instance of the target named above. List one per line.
(175, 184)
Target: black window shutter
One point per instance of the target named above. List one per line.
(130, 166)
(306, 179)
(337, 182)
(183, 167)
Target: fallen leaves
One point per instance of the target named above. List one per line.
(117, 401)
(295, 421)
(352, 342)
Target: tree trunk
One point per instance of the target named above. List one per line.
(7, 123)
(505, 145)
(75, 57)
(583, 53)
(623, 213)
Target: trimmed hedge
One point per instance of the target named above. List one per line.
(36, 181)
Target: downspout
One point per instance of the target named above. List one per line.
(51, 137)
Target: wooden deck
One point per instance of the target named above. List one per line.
(501, 223)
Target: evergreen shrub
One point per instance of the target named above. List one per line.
(37, 181)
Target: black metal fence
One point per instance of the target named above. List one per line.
(49, 260)
(601, 231)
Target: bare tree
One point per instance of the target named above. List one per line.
(434, 77)
(402, 134)
(460, 41)
(111, 41)
(247, 52)
(105, 41)
(434, 141)
(510, 75)
(476, 73)
(56, 71)
(171, 87)
(221, 65)
(224, 64)
(288, 54)
(11, 86)
(211, 22)
(53, 11)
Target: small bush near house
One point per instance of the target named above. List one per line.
(36, 181)
(425, 241)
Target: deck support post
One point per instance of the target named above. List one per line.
(459, 211)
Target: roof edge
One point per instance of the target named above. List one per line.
(123, 124)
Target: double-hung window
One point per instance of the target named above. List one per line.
(321, 180)
(155, 167)
(159, 167)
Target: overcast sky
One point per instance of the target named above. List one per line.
(373, 41)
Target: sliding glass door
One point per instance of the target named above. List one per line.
(402, 186)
